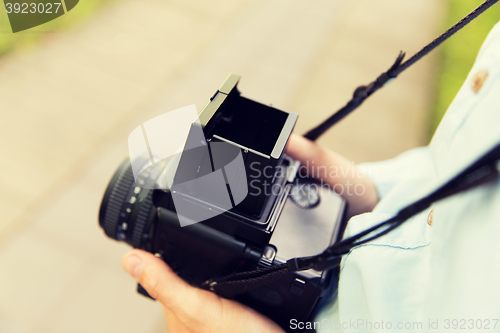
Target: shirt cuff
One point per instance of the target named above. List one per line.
(386, 174)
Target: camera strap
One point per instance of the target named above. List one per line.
(363, 92)
(484, 170)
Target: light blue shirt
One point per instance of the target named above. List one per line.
(421, 277)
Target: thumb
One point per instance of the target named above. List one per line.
(158, 279)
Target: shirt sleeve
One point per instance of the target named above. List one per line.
(410, 166)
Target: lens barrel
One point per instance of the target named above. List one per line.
(126, 207)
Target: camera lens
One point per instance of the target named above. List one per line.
(126, 207)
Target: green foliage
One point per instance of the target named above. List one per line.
(458, 54)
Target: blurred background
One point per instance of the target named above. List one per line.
(73, 89)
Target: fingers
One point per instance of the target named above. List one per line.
(302, 149)
(189, 309)
(158, 279)
(185, 305)
(312, 155)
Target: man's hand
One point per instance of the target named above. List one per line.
(189, 309)
(340, 174)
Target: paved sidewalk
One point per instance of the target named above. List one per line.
(68, 106)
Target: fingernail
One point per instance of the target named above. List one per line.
(133, 265)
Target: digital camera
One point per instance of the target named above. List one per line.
(231, 186)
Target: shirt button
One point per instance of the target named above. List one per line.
(478, 80)
(429, 218)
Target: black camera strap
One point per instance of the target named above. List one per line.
(363, 92)
(483, 171)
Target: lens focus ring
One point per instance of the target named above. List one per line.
(141, 220)
(116, 201)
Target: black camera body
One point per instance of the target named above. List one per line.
(244, 235)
